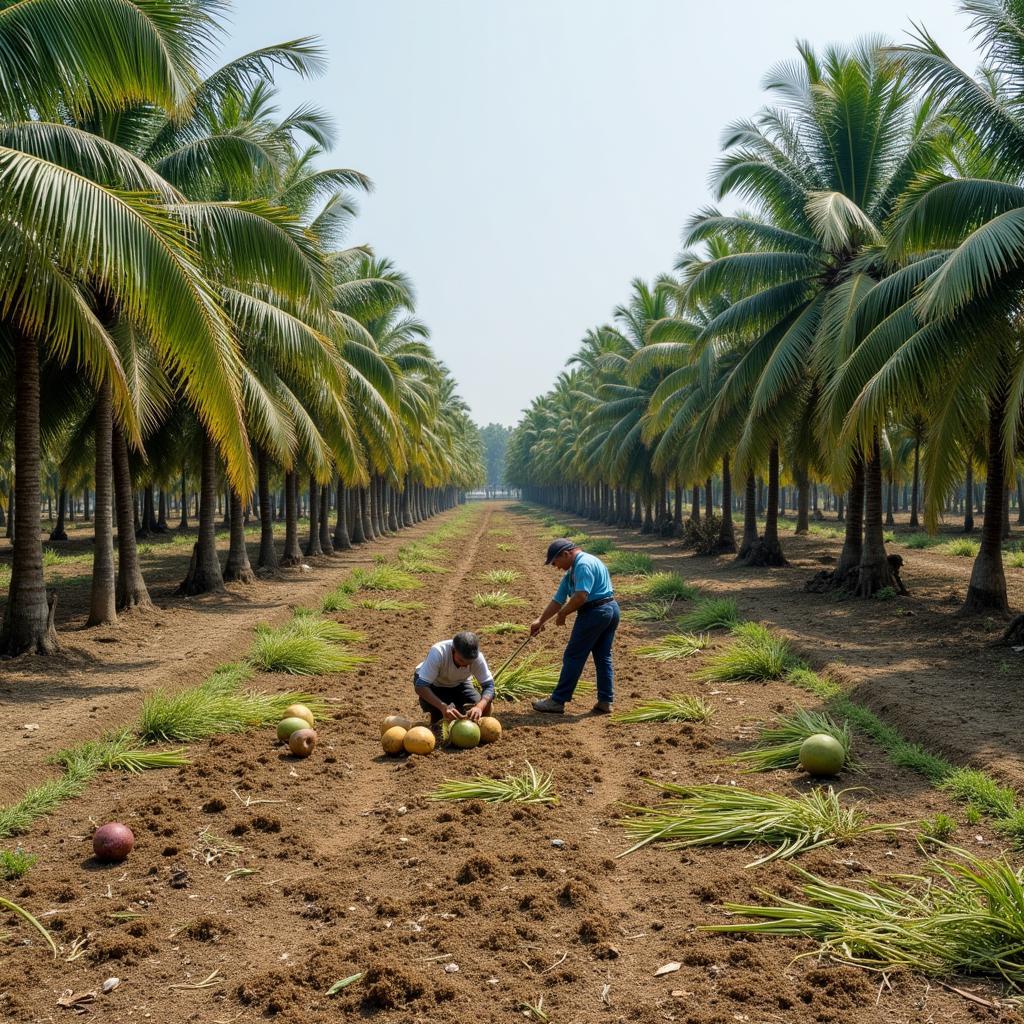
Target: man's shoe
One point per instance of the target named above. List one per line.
(602, 707)
(549, 706)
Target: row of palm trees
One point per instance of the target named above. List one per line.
(861, 300)
(176, 304)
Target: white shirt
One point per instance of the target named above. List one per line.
(439, 669)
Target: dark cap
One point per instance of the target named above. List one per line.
(556, 547)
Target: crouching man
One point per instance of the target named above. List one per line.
(442, 680)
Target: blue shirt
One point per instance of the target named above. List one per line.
(586, 573)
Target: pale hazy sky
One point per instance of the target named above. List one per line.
(531, 157)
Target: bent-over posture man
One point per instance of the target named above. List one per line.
(442, 681)
(586, 589)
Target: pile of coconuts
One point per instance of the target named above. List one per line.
(296, 729)
(399, 734)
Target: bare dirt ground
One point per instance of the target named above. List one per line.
(462, 912)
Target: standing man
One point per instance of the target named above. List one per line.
(586, 589)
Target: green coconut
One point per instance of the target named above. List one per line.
(287, 726)
(464, 733)
(822, 754)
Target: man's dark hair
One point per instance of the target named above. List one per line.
(467, 644)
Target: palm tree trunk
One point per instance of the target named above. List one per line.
(161, 519)
(356, 515)
(803, 500)
(695, 504)
(102, 600)
(326, 545)
(750, 537)
(28, 619)
(238, 568)
(890, 519)
(367, 523)
(874, 573)
(58, 532)
(146, 523)
(131, 587)
(313, 542)
(709, 498)
(726, 533)
(11, 509)
(916, 488)
(292, 552)
(376, 486)
(987, 589)
(183, 525)
(342, 541)
(407, 504)
(204, 574)
(768, 551)
(1020, 500)
(853, 542)
(393, 524)
(268, 552)
(968, 497)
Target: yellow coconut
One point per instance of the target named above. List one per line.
(490, 730)
(299, 711)
(392, 720)
(419, 740)
(392, 740)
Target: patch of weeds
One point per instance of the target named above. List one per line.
(667, 586)
(497, 599)
(918, 541)
(218, 705)
(885, 594)
(501, 577)
(600, 546)
(15, 864)
(502, 628)
(962, 548)
(630, 563)
(755, 654)
(711, 613)
(939, 828)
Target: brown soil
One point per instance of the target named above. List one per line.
(462, 912)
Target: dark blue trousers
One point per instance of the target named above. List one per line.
(592, 633)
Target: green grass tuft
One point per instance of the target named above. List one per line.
(218, 705)
(717, 815)
(667, 586)
(939, 828)
(600, 546)
(711, 613)
(981, 790)
(674, 645)
(383, 577)
(963, 918)
(389, 604)
(678, 708)
(497, 599)
(755, 654)
(528, 679)
(630, 563)
(300, 653)
(501, 577)
(962, 548)
(919, 541)
(338, 600)
(651, 611)
(501, 628)
(528, 787)
(15, 864)
(117, 752)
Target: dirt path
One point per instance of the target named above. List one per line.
(100, 678)
(451, 912)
